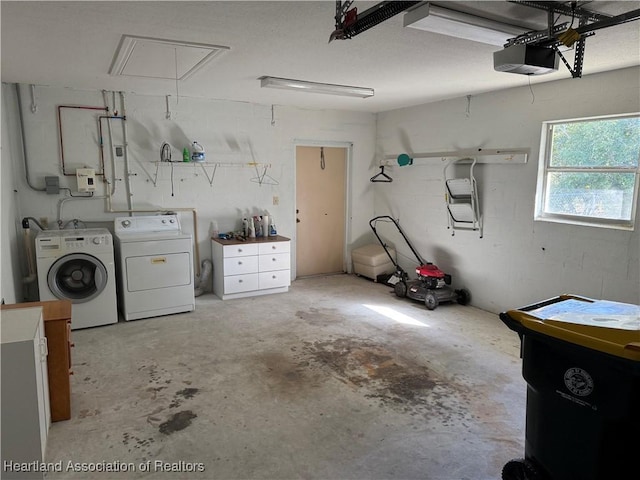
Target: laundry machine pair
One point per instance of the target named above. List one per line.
(78, 265)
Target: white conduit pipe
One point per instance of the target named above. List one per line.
(126, 153)
(110, 132)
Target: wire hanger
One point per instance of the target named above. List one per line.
(381, 177)
(263, 178)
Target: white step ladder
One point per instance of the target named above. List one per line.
(461, 194)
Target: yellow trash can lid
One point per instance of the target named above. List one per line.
(606, 326)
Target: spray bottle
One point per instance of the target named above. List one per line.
(245, 227)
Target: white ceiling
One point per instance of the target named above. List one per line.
(72, 44)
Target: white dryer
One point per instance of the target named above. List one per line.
(78, 265)
(155, 266)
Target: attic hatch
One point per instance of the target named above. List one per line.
(161, 58)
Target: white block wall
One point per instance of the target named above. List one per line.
(231, 132)
(518, 261)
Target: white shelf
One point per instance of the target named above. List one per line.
(481, 155)
(210, 168)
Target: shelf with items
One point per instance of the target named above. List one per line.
(210, 168)
(481, 155)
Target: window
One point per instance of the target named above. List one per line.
(588, 171)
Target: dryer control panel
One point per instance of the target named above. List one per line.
(146, 224)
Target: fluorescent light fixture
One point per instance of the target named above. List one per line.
(461, 25)
(314, 87)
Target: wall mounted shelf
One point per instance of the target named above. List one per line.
(481, 155)
(210, 168)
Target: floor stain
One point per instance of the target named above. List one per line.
(187, 392)
(381, 374)
(178, 421)
(153, 391)
(284, 375)
(156, 374)
(180, 395)
(84, 413)
(318, 316)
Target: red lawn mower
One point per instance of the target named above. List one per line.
(432, 285)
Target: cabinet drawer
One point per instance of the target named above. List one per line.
(279, 278)
(276, 261)
(240, 265)
(239, 250)
(274, 247)
(240, 283)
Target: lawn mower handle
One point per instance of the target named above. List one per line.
(406, 239)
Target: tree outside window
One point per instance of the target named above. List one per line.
(589, 171)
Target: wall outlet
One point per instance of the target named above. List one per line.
(276, 200)
(44, 221)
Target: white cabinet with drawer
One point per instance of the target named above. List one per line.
(25, 391)
(256, 267)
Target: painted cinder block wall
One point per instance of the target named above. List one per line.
(231, 132)
(518, 261)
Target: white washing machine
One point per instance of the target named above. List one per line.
(78, 265)
(155, 266)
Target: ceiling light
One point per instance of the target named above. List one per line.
(461, 25)
(314, 87)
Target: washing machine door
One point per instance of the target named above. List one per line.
(78, 277)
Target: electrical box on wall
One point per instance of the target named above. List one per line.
(86, 179)
(52, 185)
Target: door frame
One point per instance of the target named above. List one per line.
(348, 146)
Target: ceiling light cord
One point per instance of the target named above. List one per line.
(533, 96)
(323, 165)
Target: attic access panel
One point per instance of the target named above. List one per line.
(161, 58)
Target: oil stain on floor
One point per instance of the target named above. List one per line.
(394, 380)
(178, 421)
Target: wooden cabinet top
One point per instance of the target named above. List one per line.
(250, 241)
(51, 310)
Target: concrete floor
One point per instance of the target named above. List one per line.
(318, 383)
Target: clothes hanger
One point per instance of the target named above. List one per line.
(381, 177)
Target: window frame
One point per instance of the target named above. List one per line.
(544, 171)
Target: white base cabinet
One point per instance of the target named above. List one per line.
(25, 391)
(257, 266)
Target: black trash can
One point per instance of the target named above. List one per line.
(581, 362)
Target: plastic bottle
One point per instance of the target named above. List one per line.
(252, 228)
(198, 152)
(185, 154)
(214, 229)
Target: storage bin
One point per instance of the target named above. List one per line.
(581, 362)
